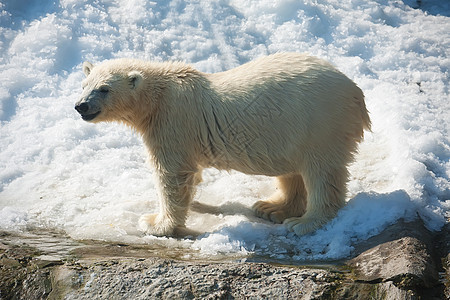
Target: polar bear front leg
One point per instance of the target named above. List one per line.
(176, 192)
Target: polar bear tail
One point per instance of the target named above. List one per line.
(367, 124)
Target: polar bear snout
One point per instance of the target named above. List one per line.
(87, 111)
(82, 108)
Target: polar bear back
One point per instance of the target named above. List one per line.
(277, 109)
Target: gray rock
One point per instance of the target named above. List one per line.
(400, 263)
(442, 242)
(401, 254)
(154, 278)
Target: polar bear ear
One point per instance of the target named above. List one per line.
(135, 78)
(87, 67)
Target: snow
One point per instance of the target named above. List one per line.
(94, 181)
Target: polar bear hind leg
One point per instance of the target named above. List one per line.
(288, 201)
(326, 189)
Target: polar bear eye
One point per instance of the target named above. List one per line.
(103, 89)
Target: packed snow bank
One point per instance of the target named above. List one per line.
(94, 181)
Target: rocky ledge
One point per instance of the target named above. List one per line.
(404, 262)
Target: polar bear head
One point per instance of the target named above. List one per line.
(111, 91)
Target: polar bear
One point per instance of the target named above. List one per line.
(287, 115)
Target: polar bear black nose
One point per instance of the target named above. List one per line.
(82, 108)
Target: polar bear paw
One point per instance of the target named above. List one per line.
(304, 225)
(272, 211)
(156, 224)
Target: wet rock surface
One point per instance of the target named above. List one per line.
(404, 262)
(402, 251)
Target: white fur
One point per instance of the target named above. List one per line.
(287, 115)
